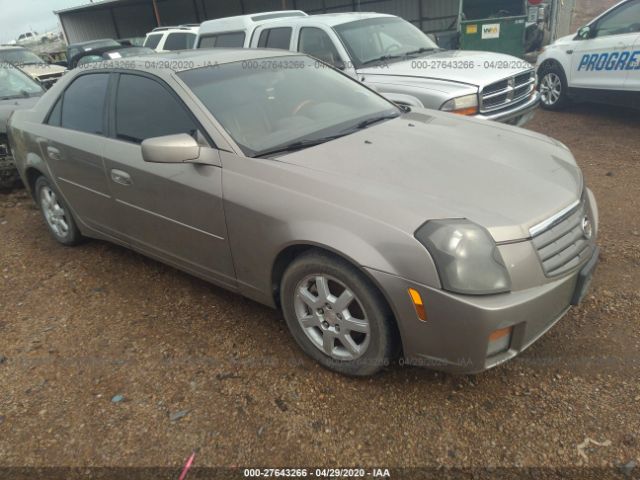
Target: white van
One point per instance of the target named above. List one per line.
(231, 32)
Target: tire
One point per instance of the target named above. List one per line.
(360, 333)
(553, 87)
(56, 213)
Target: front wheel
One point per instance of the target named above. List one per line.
(56, 214)
(337, 316)
(553, 88)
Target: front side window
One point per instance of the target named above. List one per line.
(83, 104)
(317, 43)
(16, 84)
(222, 40)
(382, 39)
(146, 109)
(153, 41)
(179, 41)
(275, 38)
(265, 109)
(624, 19)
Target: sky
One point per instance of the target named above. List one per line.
(20, 16)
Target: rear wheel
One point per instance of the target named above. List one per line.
(56, 214)
(336, 316)
(553, 87)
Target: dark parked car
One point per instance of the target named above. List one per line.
(17, 91)
(108, 53)
(76, 48)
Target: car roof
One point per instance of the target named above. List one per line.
(91, 42)
(243, 22)
(162, 64)
(328, 19)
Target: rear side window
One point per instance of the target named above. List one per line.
(275, 38)
(223, 40)
(146, 109)
(83, 104)
(153, 41)
(179, 41)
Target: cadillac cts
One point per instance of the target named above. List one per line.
(378, 231)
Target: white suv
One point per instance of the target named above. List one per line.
(600, 63)
(165, 39)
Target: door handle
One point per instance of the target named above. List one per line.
(54, 153)
(123, 178)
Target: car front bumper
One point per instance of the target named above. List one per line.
(518, 115)
(455, 336)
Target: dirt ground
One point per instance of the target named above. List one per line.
(202, 369)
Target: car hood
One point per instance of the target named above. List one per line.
(432, 165)
(480, 70)
(7, 107)
(41, 69)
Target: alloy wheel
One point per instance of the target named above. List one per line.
(54, 213)
(332, 317)
(550, 89)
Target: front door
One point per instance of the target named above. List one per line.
(603, 60)
(173, 212)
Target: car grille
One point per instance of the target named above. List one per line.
(563, 244)
(507, 92)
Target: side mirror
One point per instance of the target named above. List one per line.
(585, 33)
(181, 148)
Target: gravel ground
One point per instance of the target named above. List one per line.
(108, 358)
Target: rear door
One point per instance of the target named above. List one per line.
(74, 147)
(604, 60)
(173, 212)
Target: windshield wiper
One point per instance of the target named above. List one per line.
(23, 94)
(422, 50)
(371, 121)
(380, 59)
(298, 145)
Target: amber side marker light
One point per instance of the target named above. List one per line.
(498, 334)
(499, 341)
(418, 304)
(466, 111)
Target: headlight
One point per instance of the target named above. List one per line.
(466, 257)
(467, 105)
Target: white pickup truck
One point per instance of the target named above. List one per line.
(394, 57)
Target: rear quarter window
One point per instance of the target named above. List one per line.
(179, 41)
(275, 38)
(153, 41)
(222, 40)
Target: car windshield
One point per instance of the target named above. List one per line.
(20, 56)
(382, 39)
(16, 84)
(268, 104)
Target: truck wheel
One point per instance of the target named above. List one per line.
(553, 87)
(56, 214)
(336, 316)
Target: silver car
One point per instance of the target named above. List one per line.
(378, 231)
